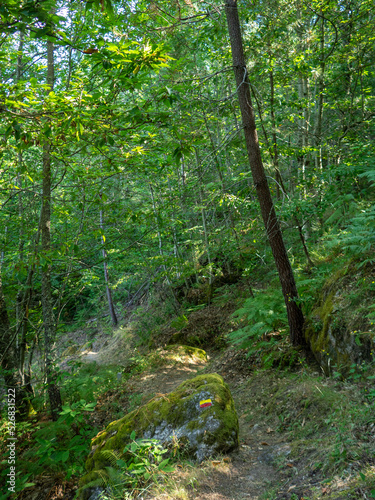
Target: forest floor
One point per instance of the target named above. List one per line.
(243, 474)
(271, 462)
(288, 432)
(303, 436)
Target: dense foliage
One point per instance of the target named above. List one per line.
(136, 147)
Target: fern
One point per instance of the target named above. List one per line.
(359, 238)
(370, 174)
(260, 315)
(110, 456)
(344, 206)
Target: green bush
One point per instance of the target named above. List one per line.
(63, 445)
(142, 463)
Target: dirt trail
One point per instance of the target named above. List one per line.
(244, 474)
(165, 379)
(260, 469)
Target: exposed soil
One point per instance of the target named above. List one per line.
(263, 468)
(245, 473)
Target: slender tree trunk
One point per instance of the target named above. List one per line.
(111, 307)
(275, 152)
(279, 180)
(181, 176)
(320, 103)
(24, 294)
(229, 222)
(205, 232)
(2, 254)
(21, 241)
(13, 352)
(289, 289)
(302, 133)
(176, 304)
(176, 249)
(47, 302)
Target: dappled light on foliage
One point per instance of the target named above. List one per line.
(185, 191)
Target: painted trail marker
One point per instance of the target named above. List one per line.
(204, 403)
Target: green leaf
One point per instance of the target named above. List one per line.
(169, 468)
(163, 463)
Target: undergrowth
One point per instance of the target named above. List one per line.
(329, 424)
(61, 447)
(142, 463)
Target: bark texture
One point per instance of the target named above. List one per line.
(47, 302)
(289, 289)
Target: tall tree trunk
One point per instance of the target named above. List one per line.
(279, 180)
(289, 289)
(47, 303)
(24, 293)
(111, 307)
(320, 100)
(229, 221)
(175, 302)
(205, 232)
(275, 152)
(21, 242)
(13, 352)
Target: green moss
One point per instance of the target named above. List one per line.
(200, 380)
(320, 343)
(177, 410)
(338, 330)
(193, 340)
(193, 352)
(176, 338)
(336, 276)
(90, 478)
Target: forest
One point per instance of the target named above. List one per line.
(195, 173)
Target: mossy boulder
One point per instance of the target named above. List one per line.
(338, 329)
(204, 430)
(194, 353)
(70, 351)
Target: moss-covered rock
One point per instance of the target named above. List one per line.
(70, 351)
(205, 431)
(187, 350)
(338, 329)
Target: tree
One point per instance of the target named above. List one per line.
(111, 306)
(47, 301)
(271, 222)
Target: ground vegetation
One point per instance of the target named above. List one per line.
(133, 229)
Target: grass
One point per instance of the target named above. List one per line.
(328, 423)
(329, 426)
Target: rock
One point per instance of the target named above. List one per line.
(96, 493)
(203, 429)
(70, 351)
(338, 329)
(194, 353)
